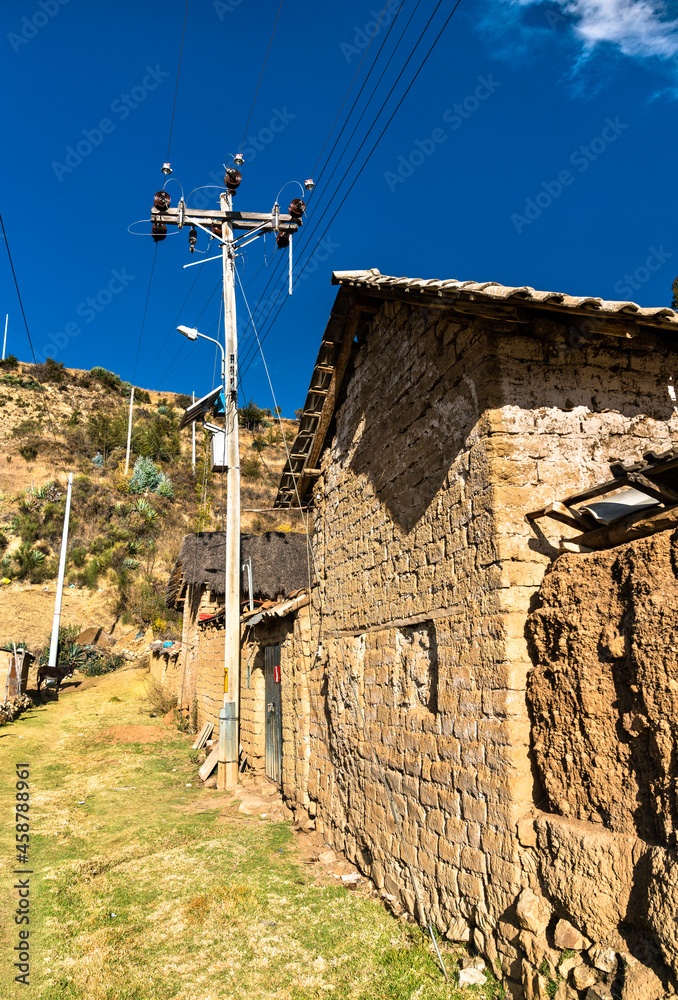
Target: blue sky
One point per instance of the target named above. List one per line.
(537, 146)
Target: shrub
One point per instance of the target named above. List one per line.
(146, 475)
(51, 371)
(98, 460)
(27, 427)
(4, 541)
(108, 379)
(143, 508)
(29, 452)
(164, 410)
(141, 396)
(164, 487)
(250, 415)
(158, 699)
(77, 555)
(250, 467)
(259, 442)
(9, 362)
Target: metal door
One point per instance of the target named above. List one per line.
(273, 714)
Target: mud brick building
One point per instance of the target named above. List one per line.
(446, 691)
(196, 586)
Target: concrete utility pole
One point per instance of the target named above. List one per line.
(129, 429)
(54, 644)
(221, 224)
(193, 439)
(4, 343)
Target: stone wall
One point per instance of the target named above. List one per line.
(604, 702)
(450, 430)
(292, 634)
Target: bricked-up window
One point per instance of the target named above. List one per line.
(418, 649)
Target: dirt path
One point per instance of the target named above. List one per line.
(144, 884)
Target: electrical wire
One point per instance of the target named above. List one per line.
(176, 88)
(173, 327)
(369, 155)
(143, 321)
(261, 75)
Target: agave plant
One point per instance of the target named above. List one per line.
(144, 508)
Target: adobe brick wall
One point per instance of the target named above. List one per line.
(451, 430)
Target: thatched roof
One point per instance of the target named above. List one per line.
(279, 564)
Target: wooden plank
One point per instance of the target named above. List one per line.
(637, 525)
(558, 511)
(204, 735)
(209, 764)
(654, 489)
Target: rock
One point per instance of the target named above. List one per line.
(471, 977)
(604, 959)
(537, 951)
(533, 912)
(458, 930)
(472, 963)
(526, 832)
(568, 937)
(599, 992)
(568, 964)
(640, 982)
(211, 782)
(583, 977)
(327, 858)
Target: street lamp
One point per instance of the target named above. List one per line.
(192, 334)
(225, 457)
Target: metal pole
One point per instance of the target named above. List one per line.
(228, 766)
(193, 431)
(4, 343)
(60, 581)
(129, 429)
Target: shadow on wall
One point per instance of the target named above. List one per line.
(413, 404)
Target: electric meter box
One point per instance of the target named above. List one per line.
(219, 452)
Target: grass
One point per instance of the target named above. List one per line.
(146, 888)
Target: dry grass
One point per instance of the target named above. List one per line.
(139, 893)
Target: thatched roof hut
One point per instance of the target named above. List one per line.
(279, 564)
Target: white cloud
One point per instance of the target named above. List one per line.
(637, 28)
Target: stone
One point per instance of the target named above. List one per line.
(599, 992)
(640, 982)
(327, 858)
(568, 964)
(567, 937)
(533, 912)
(604, 959)
(582, 977)
(471, 977)
(473, 962)
(526, 832)
(458, 930)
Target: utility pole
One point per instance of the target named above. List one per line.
(129, 429)
(193, 439)
(222, 224)
(54, 644)
(4, 343)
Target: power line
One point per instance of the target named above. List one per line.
(176, 88)
(270, 42)
(355, 75)
(369, 155)
(16, 285)
(172, 328)
(143, 321)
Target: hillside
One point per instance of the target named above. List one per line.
(125, 531)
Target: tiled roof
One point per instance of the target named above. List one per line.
(492, 292)
(487, 298)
